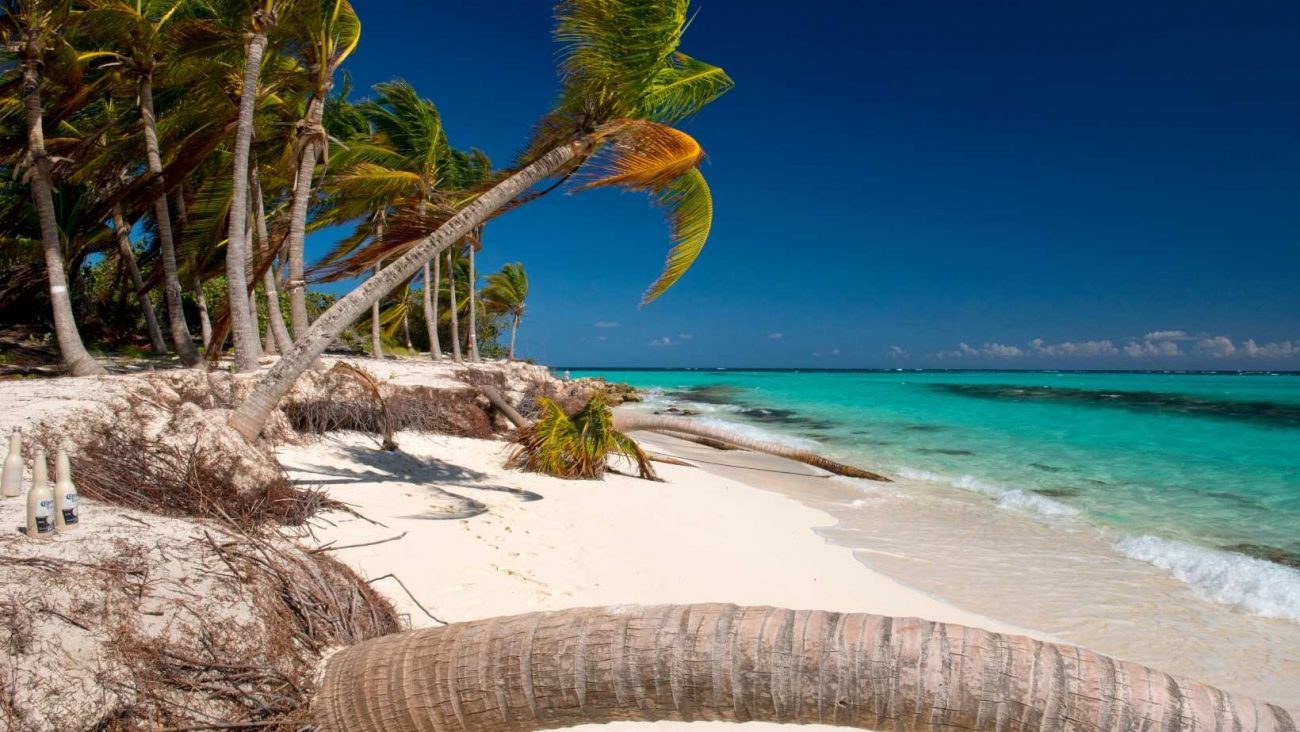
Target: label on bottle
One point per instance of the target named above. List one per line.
(43, 511)
(69, 508)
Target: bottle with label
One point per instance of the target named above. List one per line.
(11, 480)
(40, 501)
(65, 494)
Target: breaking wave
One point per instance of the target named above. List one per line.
(1253, 585)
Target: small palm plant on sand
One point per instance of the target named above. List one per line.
(575, 447)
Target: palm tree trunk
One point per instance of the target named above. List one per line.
(180, 330)
(244, 331)
(280, 338)
(643, 422)
(406, 328)
(123, 234)
(252, 414)
(205, 322)
(715, 662)
(514, 329)
(75, 356)
(310, 133)
(473, 287)
(430, 309)
(376, 345)
(454, 312)
(250, 266)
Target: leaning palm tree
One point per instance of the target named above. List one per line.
(715, 662)
(624, 82)
(505, 292)
(32, 35)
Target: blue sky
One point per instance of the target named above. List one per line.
(1064, 184)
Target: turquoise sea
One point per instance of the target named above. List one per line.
(1197, 474)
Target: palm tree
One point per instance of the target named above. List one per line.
(577, 446)
(716, 662)
(506, 291)
(397, 154)
(139, 38)
(429, 296)
(329, 32)
(624, 83)
(261, 20)
(32, 32)
(122, 232)
(453, 307)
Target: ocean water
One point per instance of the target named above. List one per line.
(1126, 493)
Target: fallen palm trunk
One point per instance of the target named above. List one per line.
(706, 442)
(503, 406)
(637, 421)
(737, 664)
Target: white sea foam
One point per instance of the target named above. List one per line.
(1247, 583)
(1008, 498)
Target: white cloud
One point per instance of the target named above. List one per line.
(685, 336)
(1168, 344)
(1269, 350)
(776, 336)
(1152, 349)
(602, 338)
(835, 351)
(1073, 349)
(1218, 346)
(896, 352)
(604, 324)
(660, 342)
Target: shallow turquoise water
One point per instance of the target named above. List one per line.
(1208, 460)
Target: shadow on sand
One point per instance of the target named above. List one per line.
(434, 476)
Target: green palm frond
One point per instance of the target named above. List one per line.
(682, 88)
(507, 289)
(689, 206)
(575, 447)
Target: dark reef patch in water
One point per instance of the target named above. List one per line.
(1277, 414)
(1062, 492)
(1046, 468)
(942, 451)
(1268, 553)
(923, 427)
(709, 394)
(873, 442)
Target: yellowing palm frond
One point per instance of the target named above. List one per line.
(643, 156)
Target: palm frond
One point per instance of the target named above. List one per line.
(682, 88)
(689, 206)
(642, 156)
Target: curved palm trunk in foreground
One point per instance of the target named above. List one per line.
(635, 421)
(737, 664)
(252, 413)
